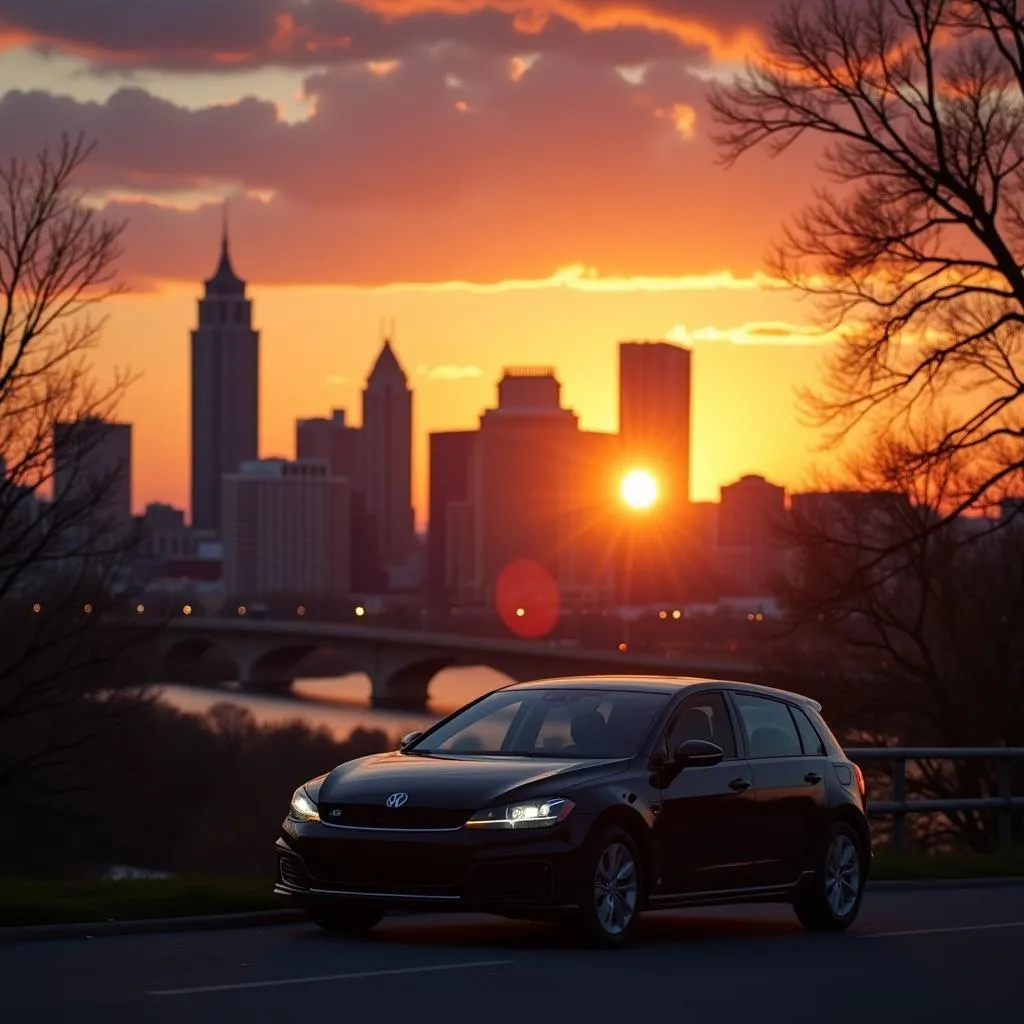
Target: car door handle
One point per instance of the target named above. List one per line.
(813, 778)
(739, 785)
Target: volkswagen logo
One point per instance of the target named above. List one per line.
(396, 800)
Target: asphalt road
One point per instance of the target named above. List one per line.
(931, 956)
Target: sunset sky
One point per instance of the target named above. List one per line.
(511, 182)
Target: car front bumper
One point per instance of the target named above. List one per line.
(496, 871)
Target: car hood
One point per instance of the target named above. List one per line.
(455, 783)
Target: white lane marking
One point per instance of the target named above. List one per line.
(329, 977)
(947, 931)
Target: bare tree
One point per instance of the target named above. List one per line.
(912, 636)
(61, 554)
(914, 254)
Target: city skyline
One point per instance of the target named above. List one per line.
(626, 225)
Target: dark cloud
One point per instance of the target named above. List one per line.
(389, 180)
(233, 34)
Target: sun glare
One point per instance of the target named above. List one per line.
(639, 489)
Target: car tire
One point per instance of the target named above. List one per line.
(830, 900)
(351, 921)
(611, 888)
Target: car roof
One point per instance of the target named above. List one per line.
(661, 684)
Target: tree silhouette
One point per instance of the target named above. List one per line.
(914, 254)
(61, 552)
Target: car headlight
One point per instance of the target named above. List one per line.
(303, 805)
(529, 814)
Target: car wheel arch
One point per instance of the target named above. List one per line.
(850, 815)
(633, 824)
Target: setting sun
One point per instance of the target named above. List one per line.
(639, 489)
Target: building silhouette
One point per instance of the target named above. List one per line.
(750, 534)
(92, 466)
(662, 553)
(654, 413)
(539, 491)
(335, 441)
(451, 455)
(287, 530)
(387, 457)
(225, 390)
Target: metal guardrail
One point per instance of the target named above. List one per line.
(899, 806)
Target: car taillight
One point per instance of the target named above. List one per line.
(860, 778)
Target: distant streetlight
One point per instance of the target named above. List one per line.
(639, 490)
(139, 609)
(187, 610)
(241, 609)
(360, 611)
(37, 607)
(301, 610)
(87, 609)
(520, 612)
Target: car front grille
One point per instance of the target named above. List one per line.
(377, 816)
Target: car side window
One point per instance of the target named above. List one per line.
(809, 738)
(770, 729)
(704, 717)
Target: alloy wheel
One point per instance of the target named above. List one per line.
(842, 875)
(616, 889)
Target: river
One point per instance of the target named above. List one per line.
(341, 705)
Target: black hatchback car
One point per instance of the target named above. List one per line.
(589, 800)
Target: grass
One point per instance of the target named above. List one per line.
(1007, 863)
(44, 902)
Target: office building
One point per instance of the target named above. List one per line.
(333, 440)
(654, 413)
(387, 457)
(663, 553)
(751, 538)
(539, 492)
(286, 531)
(225, 390)
(451, 454)
(92, 467)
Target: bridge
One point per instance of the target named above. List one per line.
(401, 663)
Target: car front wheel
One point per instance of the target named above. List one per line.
(831, 900)
(610, 889)
(351, 921)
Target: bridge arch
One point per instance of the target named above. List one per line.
(406, 685)
(275, 668)
(198, 659)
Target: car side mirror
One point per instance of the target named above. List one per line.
(409, 737)
(697, 753)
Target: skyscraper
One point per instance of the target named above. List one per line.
(387, 457)
(225, 390)
(654, 413)
(654, 428)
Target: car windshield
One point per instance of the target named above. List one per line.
(555, 722)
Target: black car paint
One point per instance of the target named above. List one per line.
(737, 831)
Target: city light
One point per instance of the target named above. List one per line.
(520, 612)
(241, 609)
(360, 611)
(139, 609)
(37, 607)
(187, 610)
(87, 609)
(301, 610)
(639, 489)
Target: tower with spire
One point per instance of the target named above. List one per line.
(387, 456)
(225, 388)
